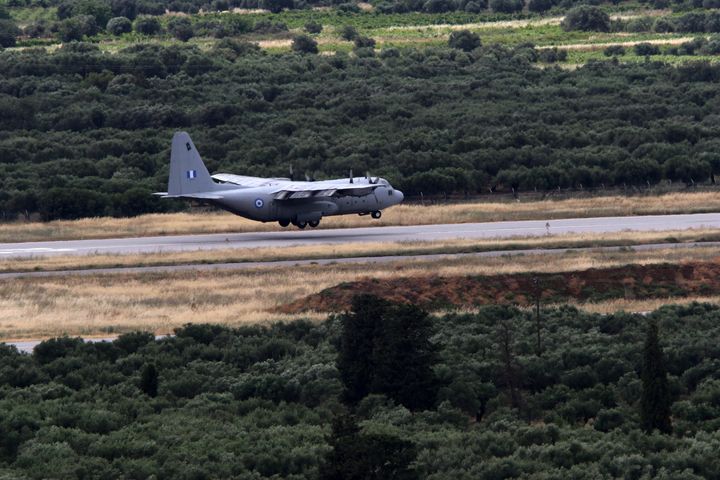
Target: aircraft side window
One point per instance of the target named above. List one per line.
(390, 192)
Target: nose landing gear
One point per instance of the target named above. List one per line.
(314, 223)
(376, 214)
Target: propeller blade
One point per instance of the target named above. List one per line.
(351, 176)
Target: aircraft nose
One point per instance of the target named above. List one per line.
(400, 195)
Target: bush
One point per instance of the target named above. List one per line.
(8, 33)
(364, 42)
(119, 25)
(181, 28)
(476, 6)
(76, 28)
(614, 50)
(646, 49)
(147, 26)
(663, 25)
(464, 40)
(304, 44)
(313, 27)
(507, 6)
(586, 18)
(539, 6)
(438, 6)
(348, 32)
(552, 55)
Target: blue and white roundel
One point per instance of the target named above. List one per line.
(259, 203)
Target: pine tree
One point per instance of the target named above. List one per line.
(386, 349)
(404, 357)
(359, 328)
(361, 456)
(655, 401)
(149, 380)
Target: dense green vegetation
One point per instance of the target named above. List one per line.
(87, 133)
(510, 401)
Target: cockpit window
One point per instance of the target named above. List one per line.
(390, 192)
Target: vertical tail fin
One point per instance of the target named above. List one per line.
(188, 173)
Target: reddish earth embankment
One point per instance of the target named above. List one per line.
(434, 292)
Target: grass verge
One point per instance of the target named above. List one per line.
(110, 304)
(353, 250)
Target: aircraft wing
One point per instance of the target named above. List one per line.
(197, 196)
(292, 191)
(245, 181)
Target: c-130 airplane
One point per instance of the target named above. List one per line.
(274, 199)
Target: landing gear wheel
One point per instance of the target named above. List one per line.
(301, 225)
(284, 223)
(376, 214)
(314, 223)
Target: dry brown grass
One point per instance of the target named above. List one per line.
(602, 46)
(107, 304)
(348, 250)
(217, 222)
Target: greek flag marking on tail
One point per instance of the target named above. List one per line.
(191, 174)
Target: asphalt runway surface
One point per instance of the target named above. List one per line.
(295, 237)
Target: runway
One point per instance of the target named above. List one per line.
(288, 238)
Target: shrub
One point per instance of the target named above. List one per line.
(476, 6)
(8, 33)
(663, 25)
(586, 18)
(348, 32)
(119, 25)
(507, 6)
(552, 55)
(364, 42)
(464, 40)
(181, 28)
(539, 6)
(438, 6)
(313, 27)
(646, 49)
(614, 50)
(147, 25)
(304, 44)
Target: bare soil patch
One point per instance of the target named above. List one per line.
(630, 282)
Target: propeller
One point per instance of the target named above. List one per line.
(292, 174)
(351, 176)
(371, 181)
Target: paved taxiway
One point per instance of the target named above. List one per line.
(294, 237)
(343, 261)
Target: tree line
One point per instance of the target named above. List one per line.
(459, 395)
(86, 133)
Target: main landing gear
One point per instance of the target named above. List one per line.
(300, 225)
(377, 214)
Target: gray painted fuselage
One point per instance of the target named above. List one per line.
(259, 203)
(274, 199)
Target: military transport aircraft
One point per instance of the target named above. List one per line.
(274, 199)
